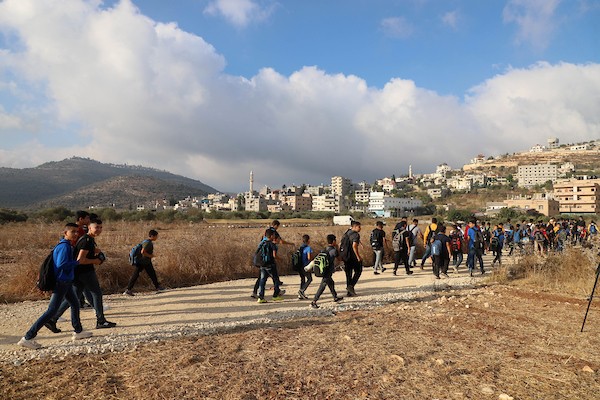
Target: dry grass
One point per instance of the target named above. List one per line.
(187, 254)
(475, 344)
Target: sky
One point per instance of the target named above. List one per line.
(296, 91)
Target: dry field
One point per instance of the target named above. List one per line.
(481, 343)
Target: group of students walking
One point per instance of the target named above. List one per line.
(74, 258)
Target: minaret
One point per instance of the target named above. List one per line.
(410, 171)
(251, 184)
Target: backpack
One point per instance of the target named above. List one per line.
(539, 236)
(374, 239)
(47, 279)
(136, 252)
(261, 256)
(396, 239)
(593, 229)
(479, 240)
(411, 237)
(455, 242)
(297, 263)
(436, 247)
(321, 263)
(345, 247)
(429, 235)
(494, 243)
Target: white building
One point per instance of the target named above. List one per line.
(539, 174)
(460, 183)
(442, 170)
(387, 206)
(326, 202)
(579, 147)
(341, 186)
(387, 184)
(537, 149)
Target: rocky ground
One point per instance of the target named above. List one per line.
(404, 338)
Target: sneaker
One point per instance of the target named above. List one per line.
(314, 305)
(445, 275)
(61, 319)
(86, 305)
(281, 292)
(278, 298)
(160, 289)
(52, 326)
(408, 273)
(337, 299)
(128, 293)
(455, 270)
(254, 296)
(383, 269)
(482, 272)
(261, 301)
(351, 290)
(82, 335)
(470, 273)
(376, 273)
(105, 307)
(301, 295)
(437, 277)
(394, 273)
(105, 324)
(29, 343)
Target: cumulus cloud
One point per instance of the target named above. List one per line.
(127, 89)
(239, 12)
(534, 19)
(451, 19)
(397, 27)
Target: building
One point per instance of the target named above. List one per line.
(315, 190)
(436, 193)
(579, 147)
(578, 195)
(298, 203)
(387, 184)
(387, 206)
(341, 186)
(553, 143)
(460, 183)
(442, 170)
(492, 207)
(532, 175)
(544, 203)
(537, 149)
(326, 202)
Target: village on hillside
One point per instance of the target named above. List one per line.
(550, 181)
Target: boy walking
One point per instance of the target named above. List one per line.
(353, 265)
(305, 276)
(378, 241)
(144, 263)
(269, 254)
(327, 281)
(64, 265)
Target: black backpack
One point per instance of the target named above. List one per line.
(261, 256)
(479, 239)
(297, 263)
(375, 235)
(47, 279)
(346, 247)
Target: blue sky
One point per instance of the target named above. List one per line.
(215, 88)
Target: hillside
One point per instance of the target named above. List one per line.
(79, 182)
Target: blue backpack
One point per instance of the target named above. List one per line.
(136, 252)
(436, 247)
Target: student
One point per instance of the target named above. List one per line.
(269, 250)
(353, 267)
(415, 233)
(456, 242)
(64, 265)
(327, 281)
(429, 232)
(378, 242)
(475, 247)
(401, 245)
(305, 276)
(277, 239)
(498, 239)
(144, 263)
(89, 255)
(83, 220)
(441, 261)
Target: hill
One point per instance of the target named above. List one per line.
(80, 182)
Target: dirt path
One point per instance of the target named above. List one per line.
(148, 316)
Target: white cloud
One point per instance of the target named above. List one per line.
(239, 12)
(534, 18)
(451, 19)
(131, 90)
(397, 27)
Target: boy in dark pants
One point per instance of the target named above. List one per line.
(64, 265)
(270, 255)
(144, 263)
(305, 276)
(353, 267)
(333, 254)
(403, 243)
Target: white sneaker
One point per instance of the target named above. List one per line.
(61, 319)
(105, 307)
(82, 335)
(29, 343)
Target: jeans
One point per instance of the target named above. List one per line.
(62, 291)
(401, 257)
(143, 266)
(411, 255)
(86, 280)
(457, 258)
(326, 282)
(266, 272)
(426, 255)
(353, 269)
(498, 256)
(305, 279)
(473, 254)
(440, 265)
(378, 260)
(275, 275)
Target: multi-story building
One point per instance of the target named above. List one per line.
(460, 183)
(387, 206)
(387, 184)
(326, 202)
(532, 175)
(341, 186)
(541, 202)
(315, 190)
(298, 203)
(578, 195)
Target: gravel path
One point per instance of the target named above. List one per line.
(206, 309)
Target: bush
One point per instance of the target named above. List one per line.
(11, 216)
(55, 214)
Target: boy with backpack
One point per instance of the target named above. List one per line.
(497, 243)
(456, 242)
(429, 233)
(64, 267)
(142, 261)
(267, 252)
(401, 246)
(327, 281)
(301, 258)
(476, 246)
(351, 256)
(440, 250)
(378, 241)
